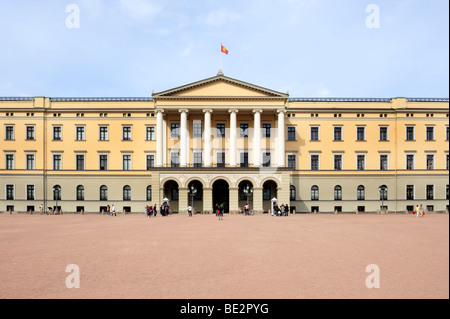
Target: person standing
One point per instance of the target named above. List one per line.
(221, 211)
(108, 210)
(190, 211)
(286, 210)
(113, 210)
(154, 211)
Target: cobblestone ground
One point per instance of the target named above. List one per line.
(241, 257)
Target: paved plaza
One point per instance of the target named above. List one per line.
(240, 257)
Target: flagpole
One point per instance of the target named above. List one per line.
(221, 58)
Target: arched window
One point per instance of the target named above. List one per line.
(126, 192)
(338, 193)
(56, 192)
(292, 193)
(80, 192)
(384, 192)
(315, 193)
(149, 193)
(103, 193)
(361, 193)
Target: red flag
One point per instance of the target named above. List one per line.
(223, 49)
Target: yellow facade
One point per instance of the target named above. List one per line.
(119, 143)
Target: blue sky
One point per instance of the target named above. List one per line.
(313, 48)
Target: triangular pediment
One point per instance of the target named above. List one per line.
(219, 86)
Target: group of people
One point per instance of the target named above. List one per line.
(220, 210)
(152, 210)
(282, 210)
(111, 210)
(419, 211)
(247, 210)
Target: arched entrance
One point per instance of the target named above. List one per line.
(195, 201)
(171, 192)
(221, 194)
(245, 194)
(269, 192)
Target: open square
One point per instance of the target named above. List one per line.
(240, 257)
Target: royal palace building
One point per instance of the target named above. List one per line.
(222, 140)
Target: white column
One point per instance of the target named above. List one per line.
(208, 140)
(159, 138)
(233, 123)
(164, 143)
(257, 138)
(281, 140)
(183, 136)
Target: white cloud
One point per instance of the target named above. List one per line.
(140, 10)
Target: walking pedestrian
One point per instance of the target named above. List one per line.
(108, 210)
(190, 211)
(154, 211)
(113, 210)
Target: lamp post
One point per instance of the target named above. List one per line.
(382, 190)
(248, 191)
(193, 191)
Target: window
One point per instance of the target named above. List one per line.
(266, 159)
(244, 159)
(126, 133)
(338, 133)
(149, 193)
(30, 133)
(220, 130)
(292, 193)
(175, 159)
(126, 162)
(447, 133)
(244, 130)
(103, 133)
(30, 162)
(175, 194)
(220, 159)
(103, 193)
(430, 161)
(57, 133)
(447, 162)
(126, 193)
(9, 161)
(361, 162)
(314, 133)
(315, 193)
(338, 193)
(314, 162)
(56, 192)
(383, 162)
(447, 192)
(103, 162)
(150, 161)
(430, 192)
(430, 208)
(9, 133)
(175, 130)
(384, 133)
(150, 133)
(410, 161)
(30, 192)
(57, 162)
(409, 192)
(80, 163)
(337, 162)
(80, 133)
(361, 133)
(197, 159)
(361, 193)
(291, 133)
(292, 162)
(80, 192)
(430, 133)
(410, 133)
(9, 192)
(197, 129)
(361, 209)
(266, 130)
